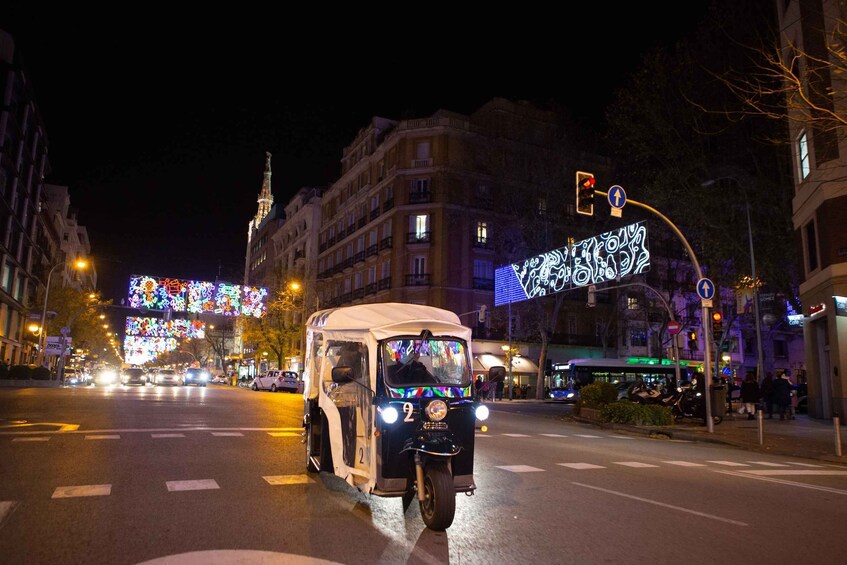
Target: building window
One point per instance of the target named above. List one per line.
(780, 349)
(483, 269)
(422, 150)
(632, 303)
(482, 232)
(421, 225)
(386, 269)
(571, 324)
(358, 281)
(371, 275)
(811, 246)
(638, 338)
(8, 276)
(542, 206)
(803, 154)
(419, 265)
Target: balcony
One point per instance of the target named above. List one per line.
(322, 247)
(387, 205)
(421, 163)
(348, 263)
(331, 240)
(418, 280)
(346, 297)
(384, 284)
(420, 197)
(482, 244)
(374, 214)
(371, 288)
(360, 223)
(418, 237)
(358, 293)
(385, 243)
(483, 284)
(359, 257)
(372, 250)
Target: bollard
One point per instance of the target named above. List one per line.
(836, 421)
(761, 422)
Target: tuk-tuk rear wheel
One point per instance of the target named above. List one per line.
(439, 505)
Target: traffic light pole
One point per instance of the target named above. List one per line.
(704, 314)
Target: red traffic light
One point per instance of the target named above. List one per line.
(717, 317)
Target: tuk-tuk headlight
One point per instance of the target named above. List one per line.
(436, 410)
(481, 412)
(389, 414)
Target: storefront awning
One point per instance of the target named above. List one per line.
(523, 365)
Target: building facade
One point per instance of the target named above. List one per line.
(812, 36)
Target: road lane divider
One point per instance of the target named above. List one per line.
(82, 490)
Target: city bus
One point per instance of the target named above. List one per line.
(576, 373)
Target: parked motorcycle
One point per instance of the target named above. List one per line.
(640, 393)
(689, 402)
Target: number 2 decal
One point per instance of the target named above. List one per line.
(409, 410)
(361, 455)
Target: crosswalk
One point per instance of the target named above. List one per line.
(280, 432)
(788, 467)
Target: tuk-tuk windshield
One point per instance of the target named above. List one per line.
(434, 361)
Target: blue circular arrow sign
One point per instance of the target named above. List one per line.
(705, 289)
(616, 196)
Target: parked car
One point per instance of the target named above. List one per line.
(74, 376)
(277, 380)
(167, 377)
(195, 376)
(133, 376)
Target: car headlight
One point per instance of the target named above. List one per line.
(570, 395)
(389, 414)
(204, 376)
(436, 410)
(482, 412)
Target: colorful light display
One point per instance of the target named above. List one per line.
(197, 297)
(140, 350)
(595, 260)
(156, 327)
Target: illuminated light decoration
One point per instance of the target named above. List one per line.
(254, 301)
(201, 297)
(602, 258)
(196, 297)
(430, 392)
(140, 350)
(156, 327)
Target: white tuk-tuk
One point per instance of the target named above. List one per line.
(389, 404)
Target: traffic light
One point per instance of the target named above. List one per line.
(585, 193)
(717, 323)
(692, 339)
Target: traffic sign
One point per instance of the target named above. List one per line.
(674, 327)
(616, 197)
(705, 289)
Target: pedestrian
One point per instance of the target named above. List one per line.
(767, 394)
(782, 388)
(750, 395)
(477, 387)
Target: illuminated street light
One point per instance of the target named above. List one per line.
(42, 339)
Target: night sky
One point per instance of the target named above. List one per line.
(159, 126)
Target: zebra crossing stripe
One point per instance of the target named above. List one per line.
(553, 435)
(103, 437)
(580, 466)
(519, 468)
(288, 479)
(684, 463)
(516, 435)
(729, 463)
(157, 436)
(588, 436)
(804, 464)
(82, 490)
(31, 439)
(202, 484)
(227, 434)
(767, 464)
(635, 464)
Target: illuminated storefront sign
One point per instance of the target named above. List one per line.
(605, 257)
(196, 297)
(840, 305)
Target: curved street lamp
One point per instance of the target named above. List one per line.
(42, 339)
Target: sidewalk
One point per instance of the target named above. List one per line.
(802, 437)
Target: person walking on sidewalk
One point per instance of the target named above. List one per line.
(782, 396)
(750, 394)
(767, 395)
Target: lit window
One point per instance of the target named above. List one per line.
(421, 223)
(803, 153)
(632, 303)
(482, 232)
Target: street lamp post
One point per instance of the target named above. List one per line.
(42, 341)
(760, 360)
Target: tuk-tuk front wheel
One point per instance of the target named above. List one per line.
(439, 504)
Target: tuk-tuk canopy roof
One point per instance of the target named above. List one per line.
(386, 319)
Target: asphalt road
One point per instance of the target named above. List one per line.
(187, 475)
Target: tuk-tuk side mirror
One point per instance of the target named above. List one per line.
(341, 375)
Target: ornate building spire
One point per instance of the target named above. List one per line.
(266, 199)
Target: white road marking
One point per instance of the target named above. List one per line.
(767, 464)
(31, 439)
(795, 472)
(202, 484)
(623, 437)
(804, 464)
(157, 436)
(635, 464)
(729, 463)
(589, 436)
(748, 475)
(553, 435)
(663, 505)
(289, 479)
(102, 437)
(580, 466)
(516, 435)
(82, 490)
(284, 434)
(684, 463)
(482, 435)
(227, 434)
(6, 508)
(519, 468)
